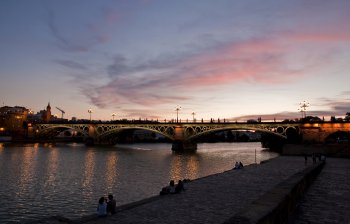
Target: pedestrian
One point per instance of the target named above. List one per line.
(102, 207)
(111, 205)
(171, 187)
(236, 166)
(179, 187)
(305, 157)
(313, 158)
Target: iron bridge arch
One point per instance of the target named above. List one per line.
(189, 131)
(105, 130)
(44, 129)
(196, 130)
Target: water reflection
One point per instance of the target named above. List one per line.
(184, 166)
(192, 167)
(89, 166)
(76, 176)
(52, 167)
(27, 167)
(111, 170)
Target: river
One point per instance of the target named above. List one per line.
(41, 180)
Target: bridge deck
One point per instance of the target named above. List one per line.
(212, 199)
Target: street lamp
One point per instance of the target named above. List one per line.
(303, 105)
(177, 113)
(90, 112)
(113, 115)
(193, 113)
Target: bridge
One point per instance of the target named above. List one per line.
(184, 135)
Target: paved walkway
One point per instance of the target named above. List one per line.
(328, 198)
(212, 199)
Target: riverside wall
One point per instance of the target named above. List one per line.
(278, 204)
(331, 150)
(219, 198)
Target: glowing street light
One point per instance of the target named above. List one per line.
(113, 115)
(177, 113)
(303, 105)
(193, 113)
(90, 112)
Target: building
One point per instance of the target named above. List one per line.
(46, 115)
(13, 120)
(43, 116)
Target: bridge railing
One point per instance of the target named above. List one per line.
(219, 121)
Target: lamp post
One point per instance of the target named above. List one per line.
(90, 112)
(177, 113)
(113, 115)
(303, 105)
(193, 113)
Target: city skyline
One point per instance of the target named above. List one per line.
(145, 58)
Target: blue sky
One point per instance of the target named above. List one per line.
(220, 59)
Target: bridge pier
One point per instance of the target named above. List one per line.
(183, 146)
(89, 141)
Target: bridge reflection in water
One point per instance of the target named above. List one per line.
(183, 135)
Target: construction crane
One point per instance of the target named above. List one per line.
(62, 111)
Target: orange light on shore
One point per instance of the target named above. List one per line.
(2, 129)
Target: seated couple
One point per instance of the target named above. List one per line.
(172, 189)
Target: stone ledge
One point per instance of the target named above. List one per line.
(278, 204)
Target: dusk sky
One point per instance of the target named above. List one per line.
(233, 59)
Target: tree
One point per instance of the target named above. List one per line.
(347, 117)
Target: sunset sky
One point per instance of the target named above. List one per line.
(233, 59)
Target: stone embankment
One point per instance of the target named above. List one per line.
(228, 197)
(331, 150)
(328, 198)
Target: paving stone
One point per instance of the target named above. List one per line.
(328, 198)
(213, 199)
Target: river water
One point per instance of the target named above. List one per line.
(41, 180)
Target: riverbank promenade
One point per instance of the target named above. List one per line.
(212, 199)
(328, 198)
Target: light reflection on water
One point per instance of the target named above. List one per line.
(111, 171)
(52, 168)
(184, 166)
(89, 165)
(44, 180)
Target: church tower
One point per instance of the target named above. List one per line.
(47, 113)
(48, 108)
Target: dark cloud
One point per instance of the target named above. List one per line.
(339, 108)
(269, 117)
(62, 42)
(119, 66)
(72, 64)
(88, 36)
(345, 93)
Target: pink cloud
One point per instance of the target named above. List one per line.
(256, 60)
(320, 37)
(265, 61)
(103, 39)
